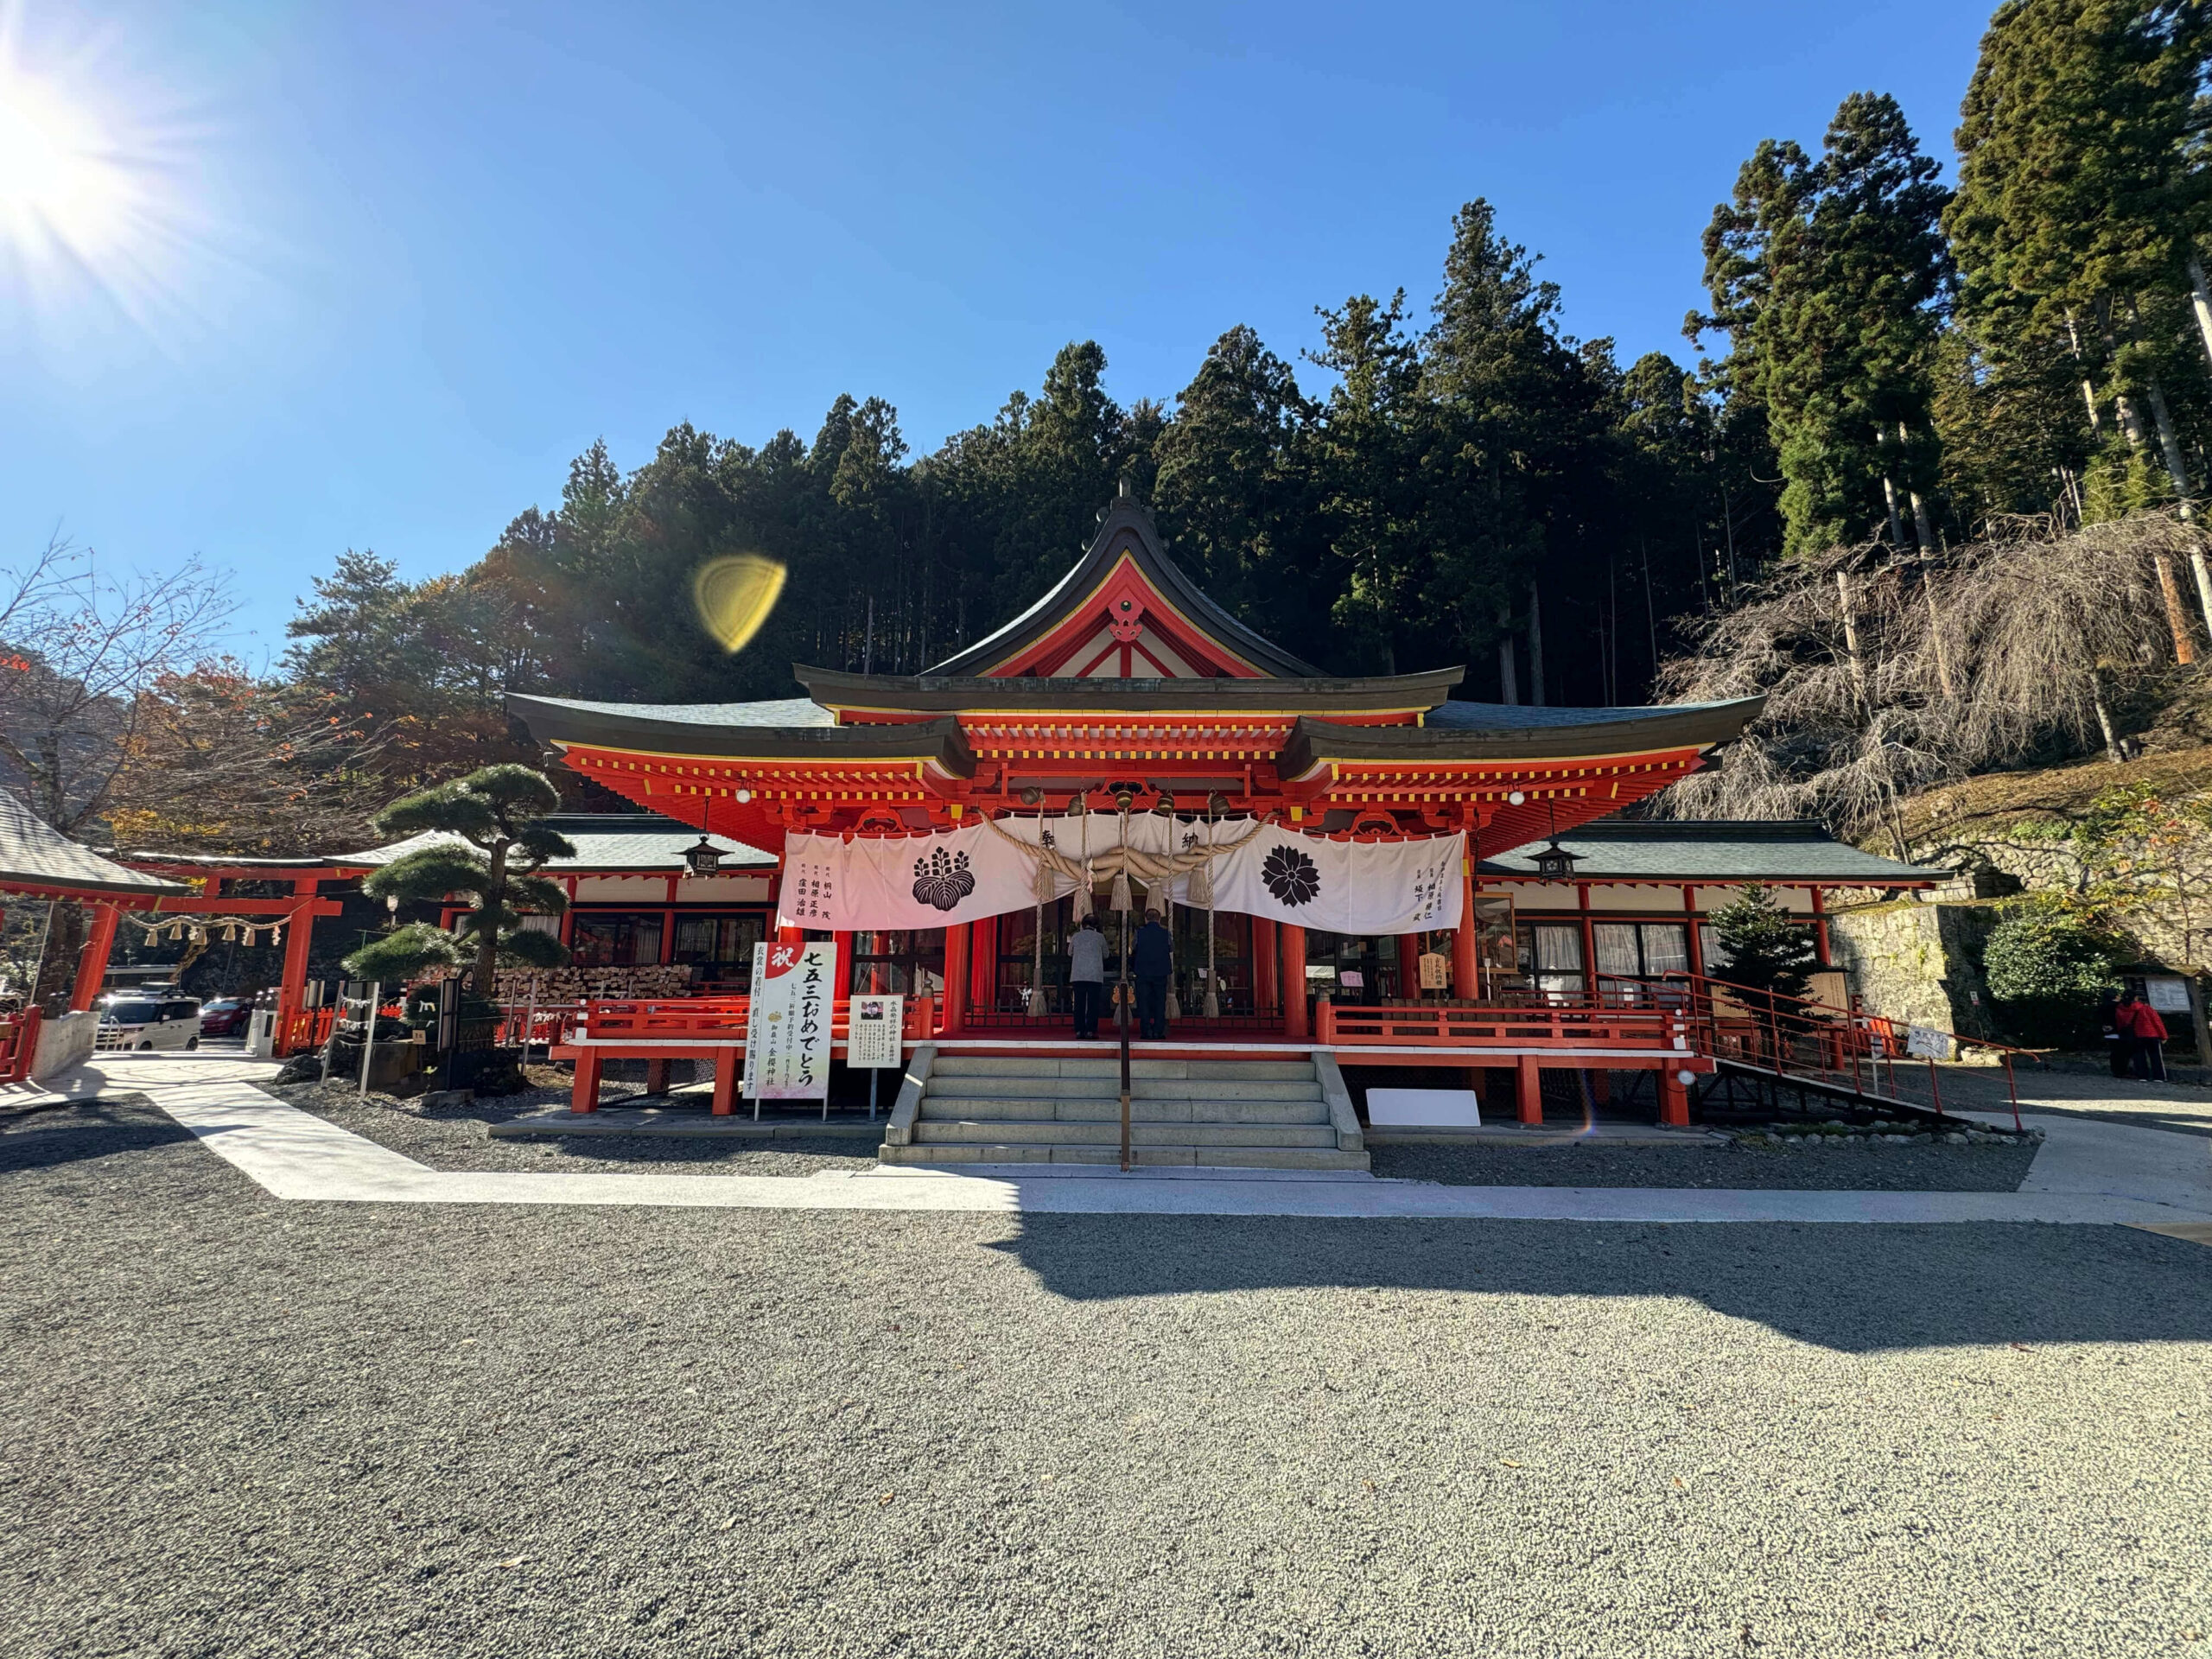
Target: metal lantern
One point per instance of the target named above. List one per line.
(1555, 863)
(705, 858)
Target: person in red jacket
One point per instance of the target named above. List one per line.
(2139, 1021)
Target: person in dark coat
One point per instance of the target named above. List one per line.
(1151, 960)
(2117, 1042)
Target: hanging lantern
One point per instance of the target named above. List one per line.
(705, 858)
(1555, 863)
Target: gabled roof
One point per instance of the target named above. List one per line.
(1126, 542)
(33, 853)
(1732, 850)
(612, 842)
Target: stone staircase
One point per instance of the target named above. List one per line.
(975, 1109)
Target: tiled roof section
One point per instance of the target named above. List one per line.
(795, 729)
(1458, 716)
(603, 840)
(1728, 850)
(778, 711)
(33, 853)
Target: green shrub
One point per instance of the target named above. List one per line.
(2047, 972)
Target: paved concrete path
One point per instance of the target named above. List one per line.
(2089, 1172)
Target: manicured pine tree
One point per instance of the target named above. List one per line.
(483, 836)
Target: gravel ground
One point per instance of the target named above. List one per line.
(459, 1140)
(241, 1428)
(1851, 1166)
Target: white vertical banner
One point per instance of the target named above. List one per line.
(787, 1029)
(872, 1033)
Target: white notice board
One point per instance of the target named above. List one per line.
(872, 1042)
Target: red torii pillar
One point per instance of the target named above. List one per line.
(92, 965)
(298, 934)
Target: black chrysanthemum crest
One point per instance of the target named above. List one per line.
(943, 880)
(1290, 875)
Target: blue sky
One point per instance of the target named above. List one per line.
(399, 263)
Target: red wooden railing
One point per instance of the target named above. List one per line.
(1840, 1049)
(18, 1044)
(714, 1020)
(1474, 1025)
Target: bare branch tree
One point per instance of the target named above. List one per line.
(1852, 649)
(79, 649)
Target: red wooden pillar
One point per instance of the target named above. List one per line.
(657, 1077)
(1293, 980)
(791, 936)
(1267, 977)
(956, 978)
(983, 965)
(1529, 1093)
(584, 1097)
(91, 965)
(1689, 922)
(299, 934)
(842, 977)
(1466, 982)
(1674, 1099)
(728, 1068)
(1409, 966)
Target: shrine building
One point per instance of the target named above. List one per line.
(1125, 725)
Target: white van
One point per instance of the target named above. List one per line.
(141, 1022)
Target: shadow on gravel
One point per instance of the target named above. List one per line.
(1859, 1288)
(78, 1133)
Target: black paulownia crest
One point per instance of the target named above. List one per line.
(943, 880)
(1290, 875)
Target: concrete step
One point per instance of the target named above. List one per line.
(1092, 1109)
(1109, 1065)
(1109, 1157)
(929, 1133)
(1017, 1088)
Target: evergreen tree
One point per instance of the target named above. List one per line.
(1829, 277)
(483, 839)
(1767, 950)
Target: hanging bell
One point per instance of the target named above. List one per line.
(1075, 808)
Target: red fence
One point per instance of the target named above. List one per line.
(714, 1019)
(18, 1045)
(1471, 1025)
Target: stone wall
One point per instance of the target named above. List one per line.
(1920, 962)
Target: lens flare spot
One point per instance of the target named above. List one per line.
(735, 595)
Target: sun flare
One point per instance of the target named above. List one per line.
(63, 189)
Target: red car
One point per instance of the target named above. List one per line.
(225, 1017)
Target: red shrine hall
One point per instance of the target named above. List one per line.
(1122, 719)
